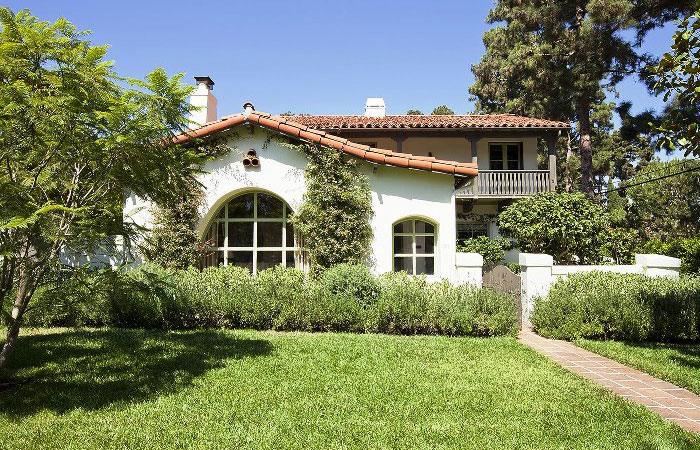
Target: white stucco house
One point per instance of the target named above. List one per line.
(434, 179)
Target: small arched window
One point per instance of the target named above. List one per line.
(414, 247)
(252, 231)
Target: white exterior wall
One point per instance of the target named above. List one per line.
(397, 194)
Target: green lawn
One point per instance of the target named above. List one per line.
(675, 363)
(246, 389)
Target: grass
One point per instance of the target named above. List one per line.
(110, 388)
(676, 363)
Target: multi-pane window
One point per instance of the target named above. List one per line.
(252, 231)
(468, 230)
(414, 247)
(507, 156)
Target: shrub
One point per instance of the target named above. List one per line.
(567, 226)
(351, 280)
(492, 249)
(344, 298)
(688, 250)
(616, 306)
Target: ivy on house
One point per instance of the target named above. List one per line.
(334, 219)
(173, 241)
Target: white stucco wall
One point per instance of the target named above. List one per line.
(397, 194)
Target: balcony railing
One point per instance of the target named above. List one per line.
(506, 183)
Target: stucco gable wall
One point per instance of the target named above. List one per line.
(400, 194)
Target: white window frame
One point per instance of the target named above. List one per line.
(255, 220)
(413, 236)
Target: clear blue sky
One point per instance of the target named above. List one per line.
(317, 57)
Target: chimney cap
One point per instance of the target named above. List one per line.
(206, 80)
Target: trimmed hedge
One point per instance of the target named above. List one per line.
(344, 298)
(600, 305)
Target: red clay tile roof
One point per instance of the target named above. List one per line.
(375, 155)
(448, 121)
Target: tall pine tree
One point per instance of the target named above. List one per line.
(553, 58)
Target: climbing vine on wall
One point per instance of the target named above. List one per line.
(334, 219)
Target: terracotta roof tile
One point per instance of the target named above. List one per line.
(447, 121)
(376, 155)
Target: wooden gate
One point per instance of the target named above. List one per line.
(501, 279)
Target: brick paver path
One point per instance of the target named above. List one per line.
(667, 400)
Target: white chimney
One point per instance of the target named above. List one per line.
(205, 100)
(375, 107)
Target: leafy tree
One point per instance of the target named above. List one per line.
(668, 208)
(567, 226)
(73, 139)
(677, 75)
(442, 110)
(414, 112)
(554, 58)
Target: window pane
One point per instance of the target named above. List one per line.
(404, 263)
(425, 244)
(222, 213)
(404, 227)
(425, 265)
(496, 165)
(290, 259)
(290, 235)
(219, 241)
(268, 259)
(211, 258)
(403, 245)
(241, 207)
(513, 152)
(269, 234)
(424, 227)
(220, 258)
(241, 259)
(495, 153)
(269, 207)
(240, 234)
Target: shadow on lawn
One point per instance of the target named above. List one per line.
(94, 369)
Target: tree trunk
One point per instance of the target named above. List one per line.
(20, 305)
(585, 147)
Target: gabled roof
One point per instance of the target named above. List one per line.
(475, 121)
(289, 127)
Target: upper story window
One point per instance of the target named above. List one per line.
(414, 247)
(506, 156)
(252, 231)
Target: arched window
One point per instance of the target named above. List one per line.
(251, 230)
(414, 247)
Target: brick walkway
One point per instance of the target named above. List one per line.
(669, 401)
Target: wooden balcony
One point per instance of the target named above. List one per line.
(506, 184)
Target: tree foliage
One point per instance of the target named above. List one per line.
(567, 226)
(334, 220)
(414, 112)
(442, 110)
(678, 76)
(554, 59)
(668, 208)
(73, 138)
